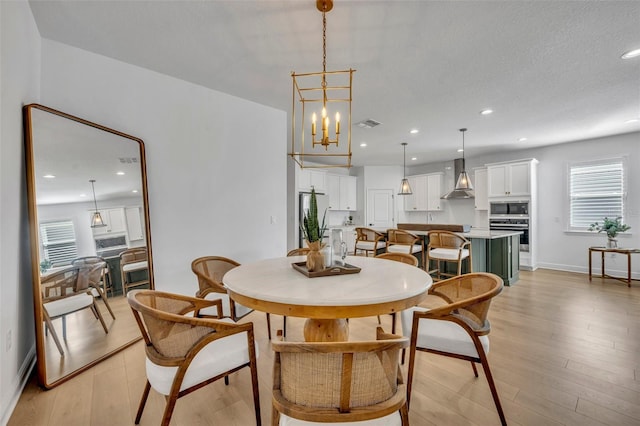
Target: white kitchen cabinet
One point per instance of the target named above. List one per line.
(114, 219)
(417, 201)
(134, 223)
(509, 179)
(309, 178)
(481, 189)
(342, 191)
(434, 188)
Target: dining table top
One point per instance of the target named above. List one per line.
(381, 286)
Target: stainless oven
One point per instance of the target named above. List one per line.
(512, 224)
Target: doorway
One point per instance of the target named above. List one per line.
(380, 208)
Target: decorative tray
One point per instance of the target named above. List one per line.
(329, 271)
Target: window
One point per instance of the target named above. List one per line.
(58, 241)
(596, 190)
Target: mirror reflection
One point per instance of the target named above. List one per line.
(89, 239)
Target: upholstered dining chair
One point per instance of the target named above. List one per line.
(184, 351)
(97, 269)
(397, 257)
(131, 261)
(106, 280)
(401, 241)
(339, 382)
(368, 240)
(457, 328)
(65, 292)
(446, 246)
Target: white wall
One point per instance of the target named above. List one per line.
(19, 84)
(216, 164)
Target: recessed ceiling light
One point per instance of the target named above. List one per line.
(414, 131)
(460, 150)
(49, 176)
(522, 139)
(633, 120)
(486, 111)
(631, 54)
(363, 144)
(135, 191)
(83, 195)
(414, 158)
(120, 173)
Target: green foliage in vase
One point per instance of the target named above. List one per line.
(310, 227)
(611, 226)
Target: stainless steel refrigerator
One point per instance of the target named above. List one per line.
(322, 201)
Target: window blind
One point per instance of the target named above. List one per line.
(596, 191)
(58, 241)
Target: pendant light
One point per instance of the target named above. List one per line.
(96, 217)
(464, 181)
(405, 188)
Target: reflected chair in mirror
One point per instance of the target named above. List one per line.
(97, 277)
(134, 261)
(397, 257)
(401, 241)
(185, 351)
(368, 240)
(65, 292)
(447, 247)
(458, 328)
(338, 382)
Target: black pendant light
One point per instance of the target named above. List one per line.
(464, 181)
(96, 217)
(405, 188)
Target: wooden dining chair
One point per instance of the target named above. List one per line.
(339, 382)
(401, 241)
(458, 328)
(106, 280)
(368, 241)
(96, 269)
(397, 257)
(448, 247)
(133, 260)
(185, 351)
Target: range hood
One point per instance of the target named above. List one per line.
(458, 193)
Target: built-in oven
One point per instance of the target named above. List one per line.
(513, 224)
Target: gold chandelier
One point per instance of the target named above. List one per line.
(332, 90)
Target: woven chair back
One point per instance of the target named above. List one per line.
(210, 270)
(367, 234)
(399, 257)
(59, 284)
(446, 239)
(398, 236)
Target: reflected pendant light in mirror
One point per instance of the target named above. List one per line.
(464, 181)
(405, 188)
(96, 217)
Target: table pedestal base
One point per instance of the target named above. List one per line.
(326, 330)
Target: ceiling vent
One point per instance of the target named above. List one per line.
(128, 160)
(368, 124)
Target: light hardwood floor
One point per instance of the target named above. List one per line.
(564, 351)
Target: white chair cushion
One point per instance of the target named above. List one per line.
(392, 419)
(217, 357)
(399, 248)
(135, 266)
(445, 336)
(241, 310)
(448, 254)
(69, 304)
(368, 245)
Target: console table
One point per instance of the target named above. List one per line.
(603, 250)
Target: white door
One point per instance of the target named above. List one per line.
(380, 208)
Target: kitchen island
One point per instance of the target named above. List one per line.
(492, 251)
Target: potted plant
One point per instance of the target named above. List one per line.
(313, 232)
(612, 227)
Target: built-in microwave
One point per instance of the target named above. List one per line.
(509, 208)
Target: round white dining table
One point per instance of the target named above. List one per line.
(381, 287)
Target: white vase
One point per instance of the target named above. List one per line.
(612, 243)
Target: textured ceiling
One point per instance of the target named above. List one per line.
(551, 70)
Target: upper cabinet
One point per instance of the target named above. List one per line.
(134, 223)
(309, 178)
(114, 220)
(342, 192)
(426, 193)
(480, 186)
(510, 179)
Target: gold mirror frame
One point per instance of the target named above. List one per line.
(78, 362)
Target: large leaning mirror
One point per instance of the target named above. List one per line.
(90, 239)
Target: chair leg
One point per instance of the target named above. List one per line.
(404, 415)
(103, 296)
(393, 323)
(64, 328)
(284, 326)
(475, 371)
(143, 401)
(49, 326)
(226, 380)
(168, 409)
(492, 386)
(253, 366)
(275, 417)
(104, 326)
(269, 325)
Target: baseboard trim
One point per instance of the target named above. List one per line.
(23, 376)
